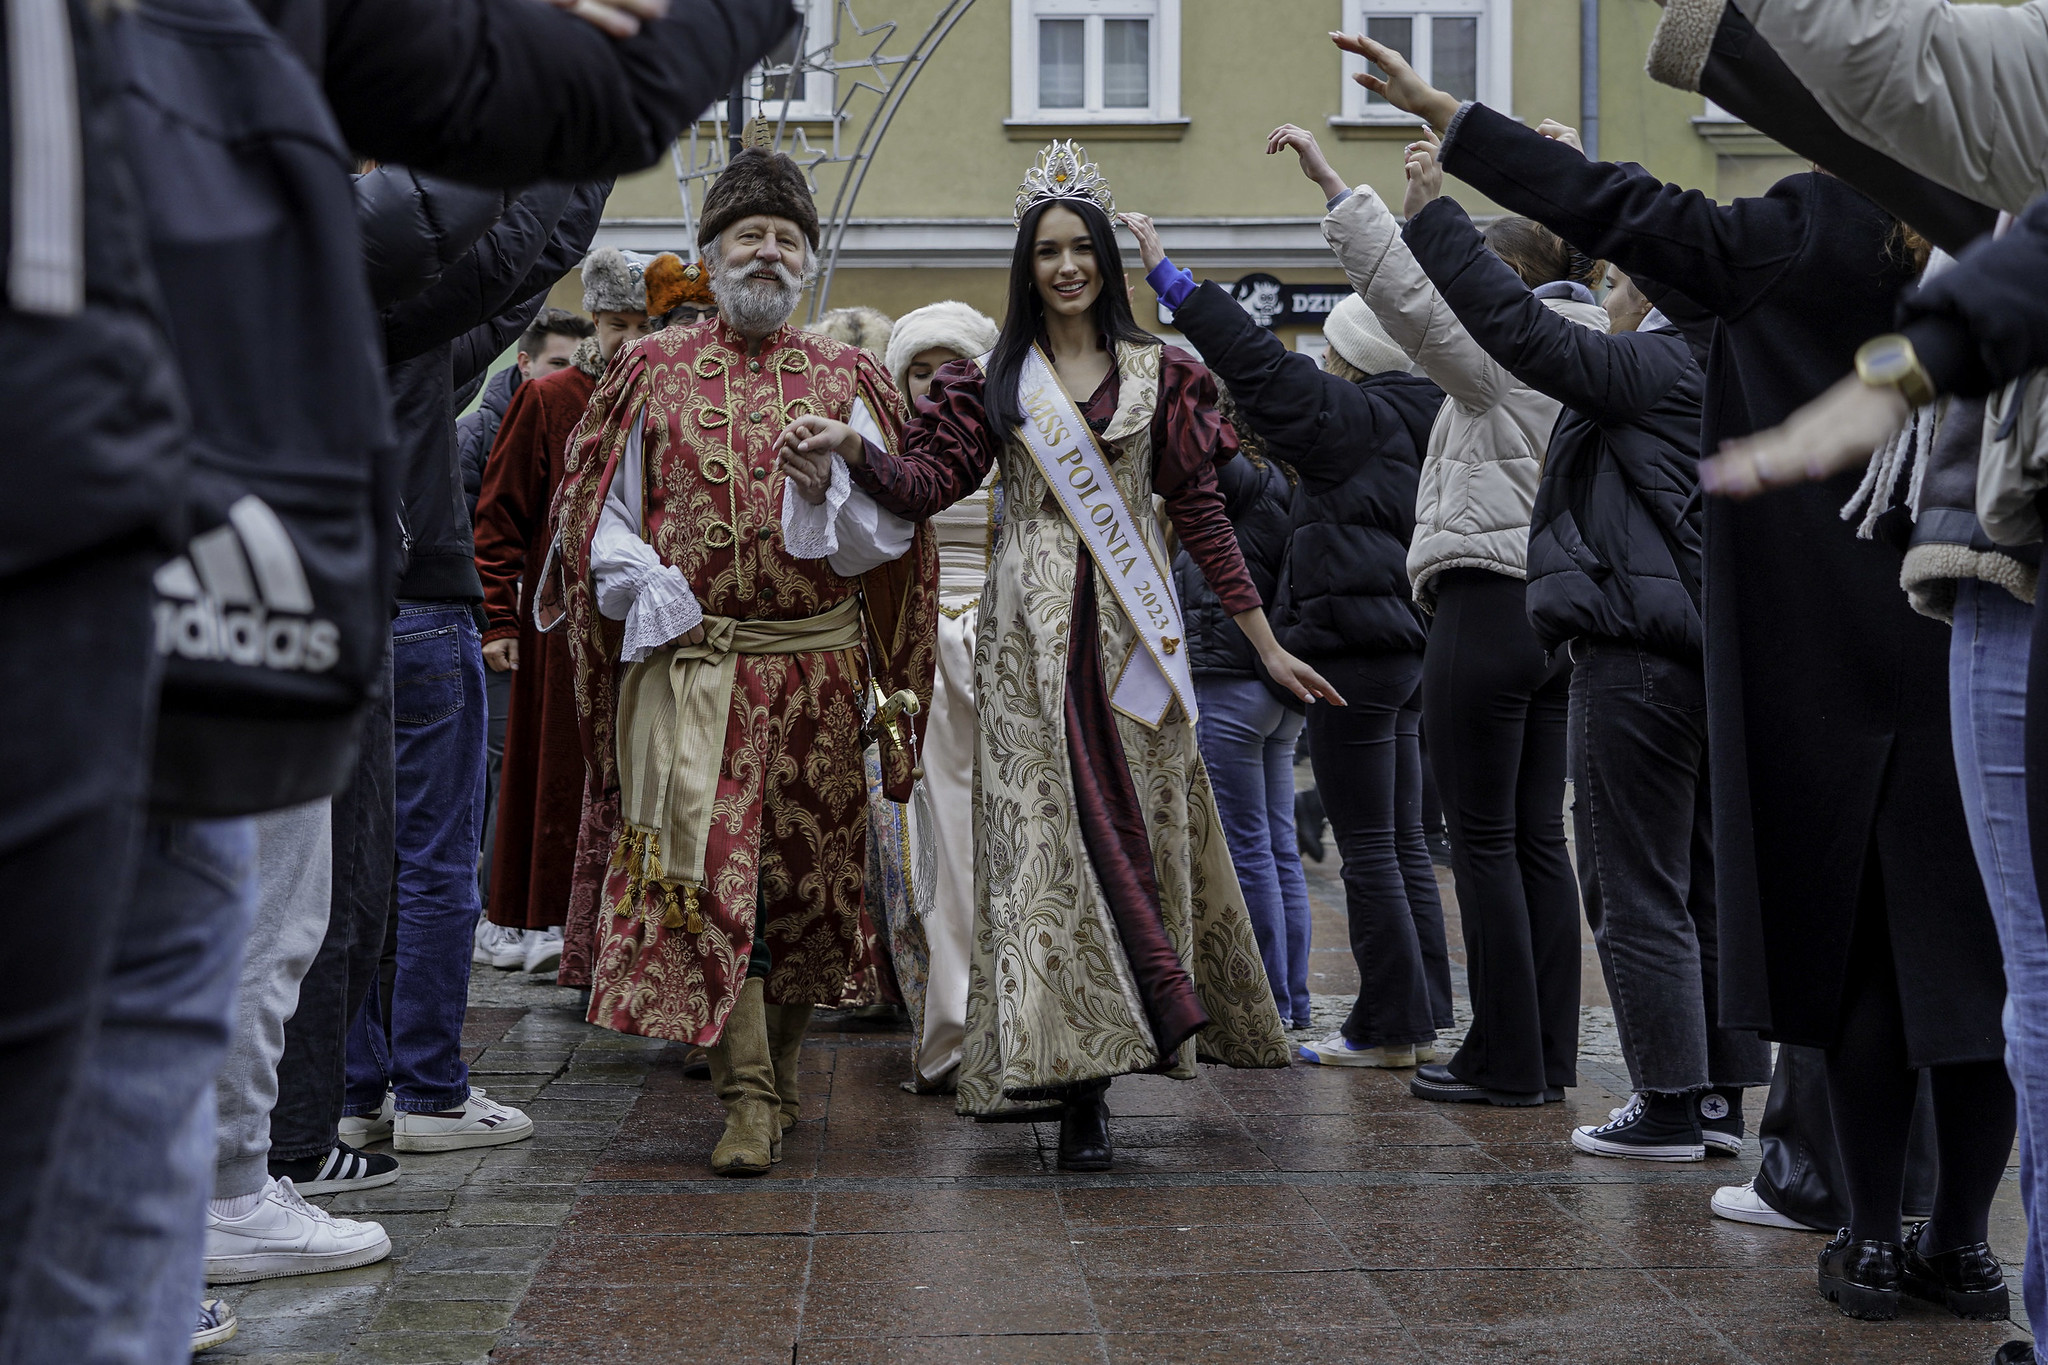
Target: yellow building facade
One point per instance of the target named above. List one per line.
(1174, 99)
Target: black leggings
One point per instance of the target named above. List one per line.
(1496, 707)
(1871, 1089)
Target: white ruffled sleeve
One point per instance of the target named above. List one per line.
(633, 585)
(849, 530)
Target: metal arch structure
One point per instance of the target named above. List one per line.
(867, 91)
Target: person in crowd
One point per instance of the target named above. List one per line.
(1355, 432)
(1614, 572)
(137, 916)
(719, 658)
(867, 328)
(1874, 943)
(540, 802)
(1495, 698)
(548, 344)
(1061, 884)
(942, 811)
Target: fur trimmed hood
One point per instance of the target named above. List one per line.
(949, 325)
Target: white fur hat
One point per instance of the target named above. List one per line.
(1356, 335)
(612, 281)
(949, 326)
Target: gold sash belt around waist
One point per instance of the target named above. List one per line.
(673, 708)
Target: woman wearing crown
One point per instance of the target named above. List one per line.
(1109, 929)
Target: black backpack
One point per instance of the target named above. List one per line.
(274, 623)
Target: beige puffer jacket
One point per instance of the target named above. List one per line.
(1486, 450)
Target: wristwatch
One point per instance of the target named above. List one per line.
(1889, 362)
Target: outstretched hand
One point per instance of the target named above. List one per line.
(1149, 249)
(1425, 176)
(1838, 430)
(619, 18)
(1314, 164)
(1298, 678)
(805, 450)
(1401, 86)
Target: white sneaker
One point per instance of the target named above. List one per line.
(1337, 1050)
(216, 1325)
(483, 1122)
(499, 946)
(1742, 1204)
(284, 1235)
(543, 949)
(360, 1130)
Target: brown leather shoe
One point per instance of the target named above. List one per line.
(743, 1071)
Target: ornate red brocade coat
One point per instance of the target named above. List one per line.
(788, 828)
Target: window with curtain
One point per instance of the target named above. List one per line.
(1095, 60)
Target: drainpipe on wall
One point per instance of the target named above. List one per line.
(1589, 77)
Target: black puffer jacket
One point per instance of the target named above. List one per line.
(1614, 540)
(1258, 499)
(416, 226)
(1358, 449)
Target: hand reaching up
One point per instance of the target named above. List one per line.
(1149, 249)
(1314, 164)
(1425, 176)
(1400, 87)
(1561, 132)
(619, 18)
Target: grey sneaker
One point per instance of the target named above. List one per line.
(217, 1325)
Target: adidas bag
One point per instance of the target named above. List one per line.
(274, 622)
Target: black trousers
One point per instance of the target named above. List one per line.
(1368, 763)
(78, 668)
(1496, 705)
(313, 1070)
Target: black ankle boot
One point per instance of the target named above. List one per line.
(1084, 1133)
(1968, 1281)
(1861, 1277)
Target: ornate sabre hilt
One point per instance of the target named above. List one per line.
(888, 712)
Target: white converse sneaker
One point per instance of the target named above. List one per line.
(1742, 1204)
(284, 1235)
(543, 950)
(1337, 1050)
(216, 1326)
(360, 1130)
(499, 946)
(483, 1122)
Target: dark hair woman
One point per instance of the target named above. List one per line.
(1109, 924)
(1853, 917)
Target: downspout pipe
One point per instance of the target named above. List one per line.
(1589, 77)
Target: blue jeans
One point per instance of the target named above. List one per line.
(1987, 670)
(114, 1269)
(439, 719)
(1247, 742)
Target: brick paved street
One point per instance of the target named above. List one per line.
(1304, 1215)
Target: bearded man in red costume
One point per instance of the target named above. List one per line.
(726, 648)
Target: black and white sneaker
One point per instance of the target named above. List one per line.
(1648, 1128)
(1720, 1112)
(344, 1168)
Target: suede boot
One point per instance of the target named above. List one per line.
(743, 1072)
(786, 1027)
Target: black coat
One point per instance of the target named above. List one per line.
(1614, 540)
(1827, 694)
(1358, 448)
(1985, 322)
(1257, 498)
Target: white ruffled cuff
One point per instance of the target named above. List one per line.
(810, 530)
(663, 609)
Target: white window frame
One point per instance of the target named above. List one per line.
(1496, 56)
(820, 97)
(1164, 16)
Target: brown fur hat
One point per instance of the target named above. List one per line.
(759, 181)
(671, 284)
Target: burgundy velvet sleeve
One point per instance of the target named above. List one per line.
(947, 448)
(1190, 438)
(510, 507)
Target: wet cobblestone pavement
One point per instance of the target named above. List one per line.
(1299, 1215)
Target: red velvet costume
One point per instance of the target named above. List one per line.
(540, 796)
(789, 830)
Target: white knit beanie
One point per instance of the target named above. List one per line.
(1356, 335)
(950, 326)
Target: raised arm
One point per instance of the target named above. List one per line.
(1955, 92)
(1606, 377)
(1732, 65)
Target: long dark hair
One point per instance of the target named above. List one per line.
(1026, 318)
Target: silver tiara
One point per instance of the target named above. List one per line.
(1063, 172)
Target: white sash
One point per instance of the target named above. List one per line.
(1075, 467)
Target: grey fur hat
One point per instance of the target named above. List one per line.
(950, 326)
(613, 283)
